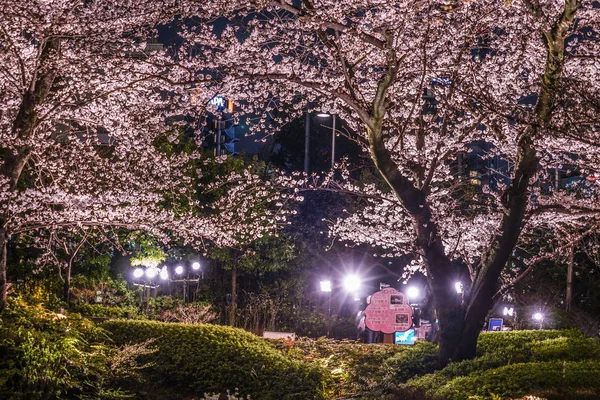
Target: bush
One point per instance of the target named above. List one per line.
(197, 359)
(512, 381)
(507, 366)
(353, 367)
(98, 310)
(422, 358)
(47, 355)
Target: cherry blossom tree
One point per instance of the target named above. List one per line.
(418, 82)
(85, 104)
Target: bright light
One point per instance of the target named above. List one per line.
(164, 274)
(322, 115)
(151, 273)
(538, 316)
(196, 266)
(138, 273)
(459, 287)
(412, 293)
(352, 283)
(179, 270)
(325, 286)
(509, 311)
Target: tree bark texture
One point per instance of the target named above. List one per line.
(15, 159)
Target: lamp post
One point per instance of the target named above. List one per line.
(539, 317)
(458, 286)
(325, 115)
(146, 278)
(413, 294)
(326, 288)
(185, 280)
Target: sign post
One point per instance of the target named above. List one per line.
(388, 312)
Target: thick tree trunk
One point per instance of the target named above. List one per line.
(233, 308)
(569, 295)
(23, 128)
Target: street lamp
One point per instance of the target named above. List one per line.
(458, 286)
(352, 283)
(196, 266)
(325, 115)
(138, 273)
(539, 317)
(326, 288)
(179, 270)
(412, 293)
(164, 274)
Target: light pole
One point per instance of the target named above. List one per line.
(179, 272)
(539, 317)
(458, 286)
(325, 115)
(149, 274)
(326, 288)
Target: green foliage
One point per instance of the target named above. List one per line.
(47, 355)
(420, 359)
(99, 310)
(353, 367)
(511, 364)
(519, 379)
(196, 359)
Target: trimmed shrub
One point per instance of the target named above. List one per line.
(422, 358)
(507, 367)
(512, 381)
(198, 359)
(353, 367)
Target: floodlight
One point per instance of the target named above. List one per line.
(352, 283)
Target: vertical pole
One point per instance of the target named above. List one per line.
(306, 141)
(333, 142)
(218, 137)
(569, 297)
(329, 314)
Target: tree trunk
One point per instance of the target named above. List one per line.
(233, 308)
(3, 282)
(569, 296)
(67, 284)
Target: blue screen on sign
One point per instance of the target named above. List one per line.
(495, 324)
(406, 337)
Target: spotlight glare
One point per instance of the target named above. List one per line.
(164, 274)
(138, 273)
(352, 283)
(196, 266)
(412, 293)
(179, 270)
(151, 273)
(459, 287)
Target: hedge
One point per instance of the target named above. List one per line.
(198, 359)
(515, 363)
(516, 380)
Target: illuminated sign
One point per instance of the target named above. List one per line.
(388, 312)
(218, 101)
(406, 337)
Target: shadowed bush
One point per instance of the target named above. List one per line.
(198, 359)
